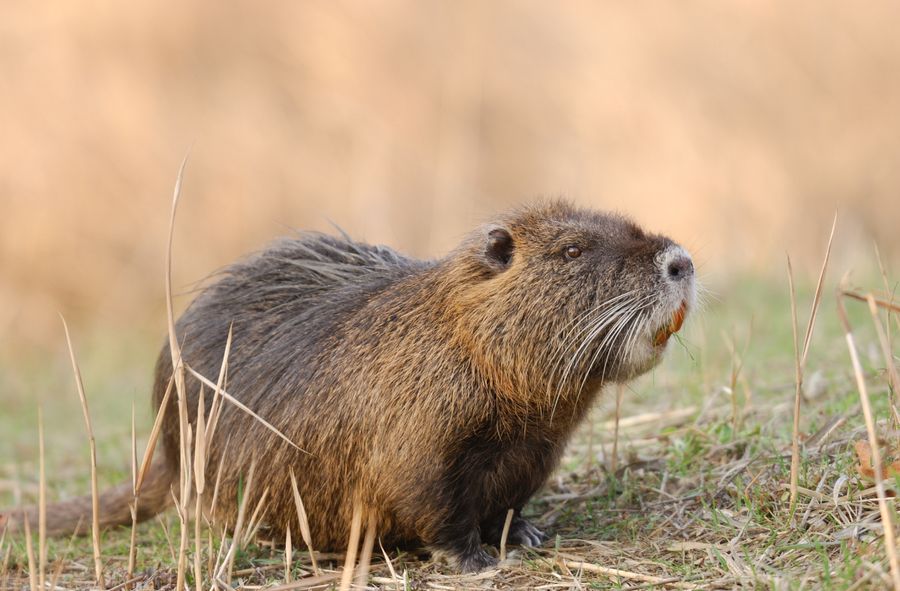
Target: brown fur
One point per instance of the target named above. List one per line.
(438, 394)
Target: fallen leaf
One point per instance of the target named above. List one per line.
(865, 467)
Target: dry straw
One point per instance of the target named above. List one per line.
(42, 504)
(352, 547)
(29, 550)
(132, 546)
(800, 359)
(365, 559)
(304, 523)
(95, 495)
(506, 523)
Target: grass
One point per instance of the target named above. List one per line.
(698, 498)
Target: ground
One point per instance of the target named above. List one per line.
(697, 494)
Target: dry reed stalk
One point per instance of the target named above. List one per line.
(255, 518)
(132, 545)
(214, 408)
(154, 436)
(228, 563)
(802, 357)
(182, 509)
(887, 287)
(507, 522)
(885, 511)
(215, 498)
(737, 364)
(219, 558)
(321, 582)
(210, 565)
(818, 295)
(795, 433)
(29, 551)
(42, 504)
(180, 389)
(288, 555)
(95, 495)
(165, 528)
(865, 298)
(60, 563)
(894, 392)
(614, 456)
(352, 547)
(199, 485)
(304, 523)
(884, 341)
(401, 583)
(623, 574)
(365, 559)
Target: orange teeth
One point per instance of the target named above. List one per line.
(675, 323)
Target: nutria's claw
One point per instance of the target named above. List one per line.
(523, 533)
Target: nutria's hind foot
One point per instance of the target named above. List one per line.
(475, 560)
(464, 551)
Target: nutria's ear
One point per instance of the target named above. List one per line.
(499, 248)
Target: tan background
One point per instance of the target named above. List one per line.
(736, 127)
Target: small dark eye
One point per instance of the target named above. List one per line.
(573, 252)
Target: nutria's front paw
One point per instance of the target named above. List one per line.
(523, 533)
(475, 561)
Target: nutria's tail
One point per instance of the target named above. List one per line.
(75, 516)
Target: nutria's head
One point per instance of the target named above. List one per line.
(559, 298)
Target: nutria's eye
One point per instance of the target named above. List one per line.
(573, 252)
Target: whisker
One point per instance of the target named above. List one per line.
(612, 323)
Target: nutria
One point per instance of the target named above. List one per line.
(436, 394)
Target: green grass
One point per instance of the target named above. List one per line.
(698, 498)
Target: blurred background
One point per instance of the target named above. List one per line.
(738, 128)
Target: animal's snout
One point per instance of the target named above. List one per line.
(676, 264)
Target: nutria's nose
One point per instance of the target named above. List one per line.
(680, 268)
(676, 264)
